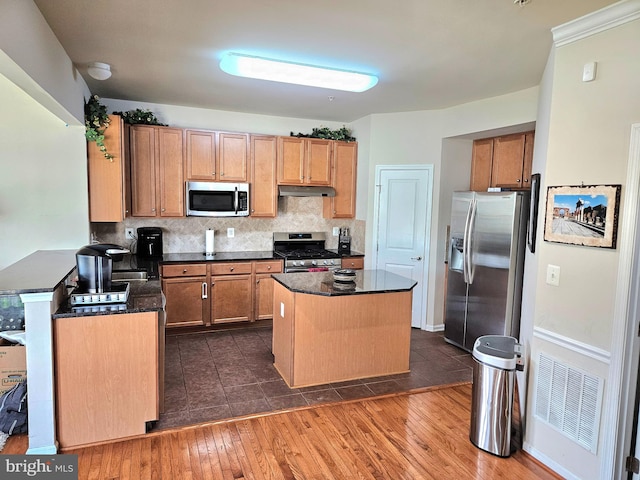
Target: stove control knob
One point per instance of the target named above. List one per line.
(313, 262)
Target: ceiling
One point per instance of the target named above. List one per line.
(428, 54)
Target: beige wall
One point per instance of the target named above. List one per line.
(588, 142)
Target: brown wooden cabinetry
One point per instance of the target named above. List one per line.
(263, 294)
(503, 161)
(304, 161)
(156, 171)
(354, 263)
(344, 171)
(106, 375)
(107, 176)
(264, 195)
(186, 289)
(231, 292)
(218, 156)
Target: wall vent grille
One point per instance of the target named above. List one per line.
(570, 400)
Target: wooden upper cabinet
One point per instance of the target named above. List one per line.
(232, 157)
(503, 162)
(200, 159)
(508, 155)
(481, 159)
(107, 177)
(345, 162)
(157, 181)
(263, 196)
(304, 161)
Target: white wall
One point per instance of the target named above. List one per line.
(414, 138)
(588, 130)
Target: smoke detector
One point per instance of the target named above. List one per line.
(522, 3)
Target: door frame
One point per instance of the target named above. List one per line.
(427, 233)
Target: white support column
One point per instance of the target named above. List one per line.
(40, 386)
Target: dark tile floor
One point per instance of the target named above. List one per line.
(218, 375)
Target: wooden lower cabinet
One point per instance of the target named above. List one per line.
(186, 289)
(106, 376)
(218, 292)
(354, 263)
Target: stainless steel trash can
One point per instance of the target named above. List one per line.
(494, 364)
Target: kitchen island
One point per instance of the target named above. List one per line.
(327, 332)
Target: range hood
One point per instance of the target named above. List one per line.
(305, 191)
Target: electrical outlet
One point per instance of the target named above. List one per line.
(553, 275)
(336, 231)
(128, 233)
(231, 232)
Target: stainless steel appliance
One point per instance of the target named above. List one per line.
(149, 242)
(94, 263)
(217, 199)
(486, 260)
(304, 252)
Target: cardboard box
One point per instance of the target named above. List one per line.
(13, 365)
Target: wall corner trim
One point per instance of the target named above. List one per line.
(596, 22)
(573, 345)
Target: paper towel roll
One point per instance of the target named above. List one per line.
(208, 242)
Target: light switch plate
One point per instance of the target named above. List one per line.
(336, 231)
(589, 72)
(231, 232)
(553, 275)
(128, 233)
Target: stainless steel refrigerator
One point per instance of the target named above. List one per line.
(485, 264)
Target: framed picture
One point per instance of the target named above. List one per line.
(583, 215)
(533, 212)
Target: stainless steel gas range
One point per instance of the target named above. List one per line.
(304, 252)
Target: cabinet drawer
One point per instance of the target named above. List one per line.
(230, 268)
(269, 267)
(356, 263)
(187, 270)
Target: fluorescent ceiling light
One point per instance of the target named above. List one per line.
(297, 73)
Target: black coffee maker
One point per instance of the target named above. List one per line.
(149, 242)
(344, 241)
(95, 263)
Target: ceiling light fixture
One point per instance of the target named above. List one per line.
(522, 3)
(297, 73)
(99, 71)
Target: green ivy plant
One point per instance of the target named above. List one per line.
(139, 117)
(96, 120)
(343, 134)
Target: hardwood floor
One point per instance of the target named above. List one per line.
(423, 435)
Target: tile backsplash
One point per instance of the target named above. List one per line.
(184, 235)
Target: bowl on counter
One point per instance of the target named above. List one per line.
(344, 275)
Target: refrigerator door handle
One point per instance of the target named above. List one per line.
(465, 244)
(469, 243)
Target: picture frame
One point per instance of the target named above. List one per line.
(533, 212)
(584, 215)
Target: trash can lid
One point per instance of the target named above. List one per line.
(496, 350)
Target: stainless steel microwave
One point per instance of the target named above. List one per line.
(217, 199)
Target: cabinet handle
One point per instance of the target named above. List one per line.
(231, 269)
(257, 281)
(268, 267)
(526, 180)
(518, 181)
(204, 290)
(163, 209)
(153, 209)
(222, 174)
(184, 270)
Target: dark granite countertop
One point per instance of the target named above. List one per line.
(143, 297)
(352, 253)
(42, 271)
(192, 257)
(366, 282)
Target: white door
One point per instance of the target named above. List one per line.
(401, 228)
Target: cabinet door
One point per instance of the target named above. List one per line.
(143, 171)
(263, 304)
(170, 172)
(187, 301)
(508, 154)
(528, 160)
(343, 205)
(264, 195)
(481, 160)
(233, 154)
(318, 162)
(291, 154)
(106, 177)
(231, 298)
(200, 161)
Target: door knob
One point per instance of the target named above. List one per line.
(416, 258)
